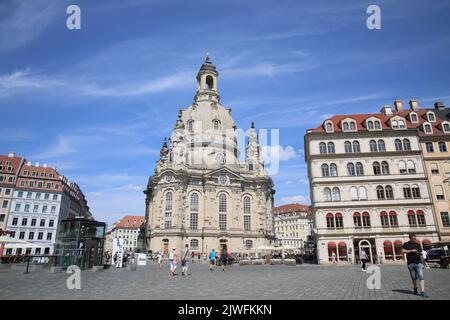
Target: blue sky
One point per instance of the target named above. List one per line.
(97, 102)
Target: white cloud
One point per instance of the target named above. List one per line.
(295, 199)
(26, 20)
(26, 80)
(278, 153)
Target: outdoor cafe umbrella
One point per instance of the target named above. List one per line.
(8, 241)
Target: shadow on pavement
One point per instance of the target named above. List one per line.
(403, 291)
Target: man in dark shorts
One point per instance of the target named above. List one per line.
(413, 251)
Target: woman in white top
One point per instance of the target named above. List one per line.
(363, 257)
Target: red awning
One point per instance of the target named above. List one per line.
(419, 213)
(426, 241)
(342, 244)
(392, 213)
(331, 244)
(338, 215)
(356, 214)
(383, 213)
(398, 243)
(411, 213)
(329, 215)
(365, 214)
(387, 243)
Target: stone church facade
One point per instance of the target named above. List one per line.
(201, 193)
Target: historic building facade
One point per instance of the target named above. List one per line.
(201, 193)
(126, 228)
(368, 186)
(292, 225)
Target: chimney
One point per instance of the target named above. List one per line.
(439, 105)
(398, 105)
(387, 110)
(414, 104)
(11, 155)
(37, 164)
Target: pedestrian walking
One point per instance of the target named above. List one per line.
(333, 257)
(413, 251)
(192, 256)
(363, 257)
(185, 254)
(424, 259)
(173, 261)
(212, 259)
(223, 260)
(160, 259)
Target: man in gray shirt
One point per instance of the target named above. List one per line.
(185, 255)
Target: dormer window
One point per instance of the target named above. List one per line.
(413, 117)
(349, 126)
(345, 126)
(446, 127)
(373, 125)
(394, 124)
(352, 126)
(377, 125)
(370, 125)
(431, 117)
(427, 128)
(329, 126)
(398, 123)
(401, 124)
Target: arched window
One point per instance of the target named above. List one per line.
(412, 218)
(401, 124)
(329, 127)
(351, 169)
(330, 221)
(362, 193)
(381, 146)
(410, 166)
(220, 159)
(352, 126)
(380, 193)
(407, 194)
(442, 146)
(194, 244)
(415, 191)
(168, 213)
(429, 146)
(376, 168)
(393, 219)
(222, 203)
(398, 145)
(345, 126)
(402, 167)
(377, 125)
(247, 216)
(366, 219)
(394, 124)
(327, 194)
(323, 148)
(348, 147)
(420, 218)
(338, 220)
(389, 192)
(209, 83)
(370, 125)
(331, 147)
(333, 170)
(190, 125)
(336, 194)
(359, 169)
(169, 197)
(357, 220)
(406, 144)
(325, 170)
(216, 124)
(356, 147)
(385, 167)
(373, 146)
(194, 202)
(222, 212)
(353, 193)
(384, 218)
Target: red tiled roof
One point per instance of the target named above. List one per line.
(384, 119)
(293, 207)
(15, 163)
(128, 222)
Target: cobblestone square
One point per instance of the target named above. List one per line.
(237, 282)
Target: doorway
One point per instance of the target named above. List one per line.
(223, 245)
(367, 245)
(165, 246)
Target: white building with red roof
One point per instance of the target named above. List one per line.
(292, 225)
(368, 185)
(126, 228)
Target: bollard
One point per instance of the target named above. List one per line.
(28, 264)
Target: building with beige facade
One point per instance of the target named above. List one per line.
(368, 186)
(201, 193)
(292, 225)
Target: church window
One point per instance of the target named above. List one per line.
(216, 124)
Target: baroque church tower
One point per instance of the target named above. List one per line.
(201, 193)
